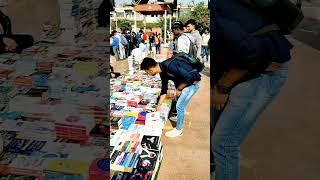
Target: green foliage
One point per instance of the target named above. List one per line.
(124, 24)
(201, 14)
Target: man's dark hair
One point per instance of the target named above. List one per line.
(113, 33)
(177, 25)
(191, 21)
(148, 63)
(141, 31)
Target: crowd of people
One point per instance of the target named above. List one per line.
(187, 38)
(183, 37)
(126, 44)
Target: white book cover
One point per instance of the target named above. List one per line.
(154, 116)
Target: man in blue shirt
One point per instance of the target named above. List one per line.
(249, 71)
(185, 80)
(115, 44)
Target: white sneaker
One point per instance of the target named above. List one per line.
(173, 118)
(174, 133)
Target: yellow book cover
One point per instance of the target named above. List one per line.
(68, 166)
(83, 67)
(137, 83)
(131, 113)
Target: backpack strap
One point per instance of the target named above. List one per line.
(191, 43)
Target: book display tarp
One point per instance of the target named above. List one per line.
(53, 111)
(136, 127)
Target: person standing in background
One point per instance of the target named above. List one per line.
(115, 43)
(145, 37)
(205, 51)
(144, 48)
(158, 41)
(137, 56)
(191, 28)
(151, 41)
(139, 36)
(182, 40)
(130, 43)
(135, 39)
(123, 44)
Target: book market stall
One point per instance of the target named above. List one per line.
(53, 110)
(136, 127)
(53, 101)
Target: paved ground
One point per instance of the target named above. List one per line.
(285, 143)
(308, 31)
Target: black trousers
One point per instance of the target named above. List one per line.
(23, 41)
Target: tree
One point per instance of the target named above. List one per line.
(124, 24)
(201, 14)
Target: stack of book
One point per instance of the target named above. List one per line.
(73, 127)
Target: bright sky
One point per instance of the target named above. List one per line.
(179, 1)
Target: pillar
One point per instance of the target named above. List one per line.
(165, 27)
(135, 21)
(170, 21)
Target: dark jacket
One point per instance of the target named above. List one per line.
(182, 74)
(235, 46)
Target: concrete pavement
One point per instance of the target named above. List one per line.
(285, 143)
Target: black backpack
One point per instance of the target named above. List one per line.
(285, 14)
(197, 65)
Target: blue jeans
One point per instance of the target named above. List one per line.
(246, 102)
(205, 51)
(182, 103)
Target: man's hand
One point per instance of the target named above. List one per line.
(178, 92)
(10, 44)
(219, 99)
